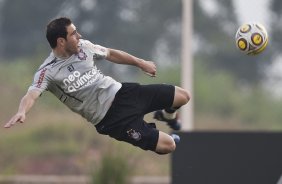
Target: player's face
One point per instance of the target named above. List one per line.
(72, 41)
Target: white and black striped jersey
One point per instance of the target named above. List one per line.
(77, 82)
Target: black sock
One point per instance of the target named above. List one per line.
(171, 109)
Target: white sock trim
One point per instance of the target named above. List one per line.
(169, 115)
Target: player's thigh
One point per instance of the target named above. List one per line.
(155, 97)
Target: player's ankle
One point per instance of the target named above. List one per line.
(168, 115)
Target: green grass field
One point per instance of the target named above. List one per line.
(53, 140)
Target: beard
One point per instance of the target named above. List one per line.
(72, 50)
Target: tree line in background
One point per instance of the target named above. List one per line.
(146, 28)
(150, 29)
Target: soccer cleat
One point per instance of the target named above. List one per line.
(172, 123)
(175, 137)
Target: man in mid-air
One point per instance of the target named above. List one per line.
(116, 109)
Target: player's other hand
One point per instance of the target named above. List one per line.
(18, 118)
(149, 68)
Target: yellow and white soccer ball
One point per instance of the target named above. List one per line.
(251, 38)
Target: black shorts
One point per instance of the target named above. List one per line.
(124, 120)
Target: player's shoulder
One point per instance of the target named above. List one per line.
(85, 43)
(91, 45)
(48, 62)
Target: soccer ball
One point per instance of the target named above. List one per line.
(251, 38)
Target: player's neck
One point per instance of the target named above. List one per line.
(59, 53)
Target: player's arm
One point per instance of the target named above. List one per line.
(121, 57)
(25, 105)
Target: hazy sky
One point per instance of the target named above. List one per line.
(247, 10)
(253, 11)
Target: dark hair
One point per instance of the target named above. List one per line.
(57, 28)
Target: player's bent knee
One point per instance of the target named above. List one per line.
(186, 96)
(182, 96)
(166, 149)
(165, 144)
(171, 147)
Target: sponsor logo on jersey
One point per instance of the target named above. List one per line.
(70, 68)
(81, 55)
(41, 77)
(76, 80)
(100, 52)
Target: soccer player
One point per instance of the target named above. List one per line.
(115, 109)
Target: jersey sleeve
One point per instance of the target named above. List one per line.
(40, 81)
(98, 51)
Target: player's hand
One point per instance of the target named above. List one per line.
(18, 118)
(149, 68)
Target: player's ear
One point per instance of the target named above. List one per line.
(60, 42)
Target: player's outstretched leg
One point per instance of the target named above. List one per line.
(168, 115)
